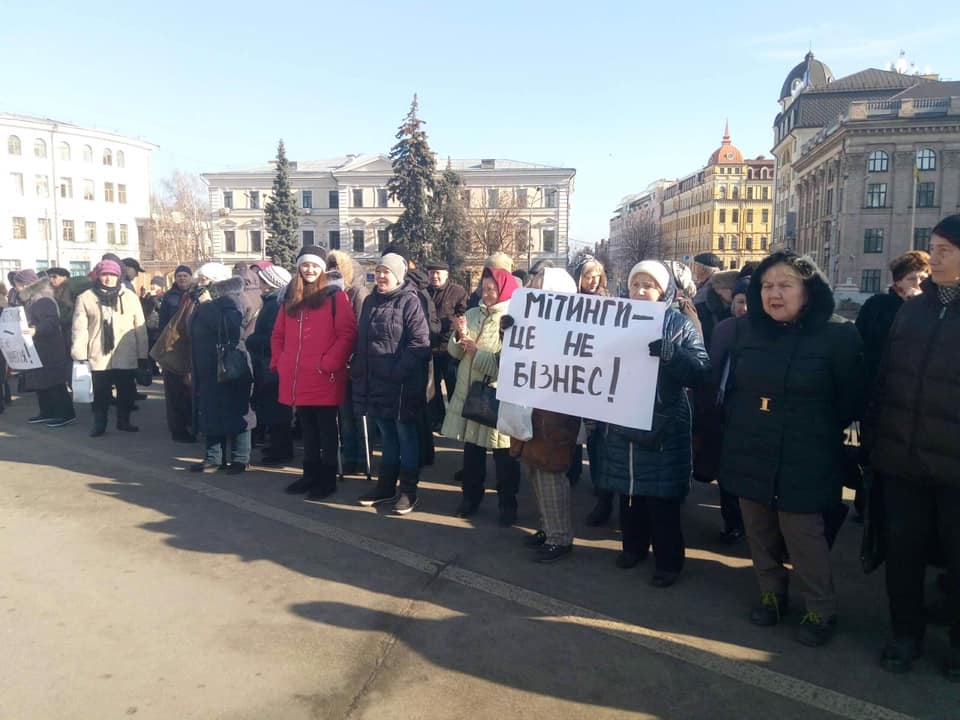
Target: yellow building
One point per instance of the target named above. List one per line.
(725, 208)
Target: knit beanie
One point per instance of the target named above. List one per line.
(159, 281)
(274, 276)
(215, 272)
(106, 267)
(653, 268)
(26, 277)
(183, 269)
(313, 254)
(949, 229)
(499, 260)
(742, 286)
(395, 264)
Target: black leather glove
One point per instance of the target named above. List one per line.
(662, 349)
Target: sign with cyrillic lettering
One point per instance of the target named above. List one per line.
(582, 355)
(16, 347)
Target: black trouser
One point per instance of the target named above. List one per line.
(445, 371)
(321, 441)
(730, 510)
(656, 521)
(475, 473)
(103, 382)
(596, 458)
(918, 518)
(55, 402)
(179, 400)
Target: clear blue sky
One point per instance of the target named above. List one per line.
(625, 92)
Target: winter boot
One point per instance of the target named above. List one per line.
(600, 514)
(311, 469)
(408, 492)
(326, 484)
(386, 489)
(123, 422)
(99, 423)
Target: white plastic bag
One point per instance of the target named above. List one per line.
(82, 382)
(515, 421)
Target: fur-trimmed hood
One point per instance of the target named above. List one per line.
(41, 288)
(820, 303)
(232, 286)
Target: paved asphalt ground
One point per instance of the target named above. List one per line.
(132, 588)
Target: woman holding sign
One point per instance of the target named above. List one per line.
(650, 469)
(476, 344)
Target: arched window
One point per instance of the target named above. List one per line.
(926, 159)
(721, 243)
(736, 192)
(13, 145)
(64, 151)
(107, 157)
(39, 148)
(121, 160)
(878, 161)
(87, 153)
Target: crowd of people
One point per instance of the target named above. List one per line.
(760, 383)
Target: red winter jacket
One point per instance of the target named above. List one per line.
(310, 350)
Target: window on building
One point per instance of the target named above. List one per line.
(550, 198)
(333, 199)
(39, 148)
(723, 215)
(734, 216)
(870, 281)
(334, 237)
(734, 243)
(878, 161)
(521, 197)
(107, 156)
(122, 194)
(382, 197)
(358, 240)
(66, 188)
(19, 228)
(63, 150)
(877, 195)
(721, 243)
(734, 264)
(42, 183)
(749, 216)
(358, 197)
(925, 193)
(766, 193)
(41, 264)
(256, 241)
(68, 231)
(926, 159)
(16, 180)
(735, 192)
(549, 240)
(765, 216)
(79, 268)
(383, 239)
(750, 192)
(254, 199)
(493, 197)
(466, 198)
(749, 243)
(89, 190)
(87, 154)
(90, 231)
(124, 234)
(43, 228)
(13, 145)
(921, 238)
(121, 159)
(229, 240)
(307, 237)
(108, 192)
(829, 204)
(723, 192)
(111, 233)
(228, 199)
(763, 243)
(306, 199)
(873, 240)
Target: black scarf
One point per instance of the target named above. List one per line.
(108, 298)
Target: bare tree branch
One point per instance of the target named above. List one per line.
(639, 238)
(179, 221)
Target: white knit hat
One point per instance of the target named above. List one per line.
(215, 272)
(274, 276)
(395, 264)
(655, 269)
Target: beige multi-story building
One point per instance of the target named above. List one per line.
(724, 208)
(344, 203)
(71, 194)
(873, 183)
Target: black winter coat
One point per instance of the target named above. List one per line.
(220, 408)
(266, 382)
(43, 315)
(389, 368)
(874, 322)
(913, 426)
(169, 305)
(712, 311)
(450, 302)
(792, 391)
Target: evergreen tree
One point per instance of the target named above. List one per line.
(283, 243)
(449, 219)
(413, 181)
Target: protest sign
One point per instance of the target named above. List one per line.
(16, 347)
(582, 355)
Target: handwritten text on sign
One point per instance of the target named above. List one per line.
(17, 348)
(582, 355)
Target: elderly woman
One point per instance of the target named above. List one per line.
(651, 469)
(109, 332)
(476, 344)
(222, 409)
(795, 383)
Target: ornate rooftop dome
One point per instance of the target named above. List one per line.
(811, 73)
(727, 153)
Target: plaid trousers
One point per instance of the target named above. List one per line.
(556, 511)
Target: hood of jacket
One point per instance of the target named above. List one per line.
(418, 277)
(231, 286)
(251, 281)
(35, 290)
(716, 304)
(820, 303)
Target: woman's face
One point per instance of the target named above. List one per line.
(739, 306)
(489, 291)
(385, 280)
(644, 287)
(783, 293)
(944, 261)
(310, 272)
(909, 285)
(109, 280)
(590, 278)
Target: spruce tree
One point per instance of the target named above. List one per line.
(412, 184)
(449, 219)
(281, 212)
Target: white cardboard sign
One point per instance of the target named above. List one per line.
(582, 355)
(17, 348)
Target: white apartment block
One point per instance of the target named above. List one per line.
(344, 204)
(69, 194)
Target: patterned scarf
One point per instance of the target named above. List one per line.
(107, 297)
(947, 295)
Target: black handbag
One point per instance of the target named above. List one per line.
(233, 361)
(872, 547)
(481, 405)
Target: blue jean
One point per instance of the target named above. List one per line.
(351, 432)
(400, 444)
(239, 448)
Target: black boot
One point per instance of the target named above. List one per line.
(408, 492)
(311, 470)
(600, 514)
(386, 489)
(326, 483)
(99, 423)
(123, 422)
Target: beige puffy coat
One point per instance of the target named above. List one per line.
(129, 332)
